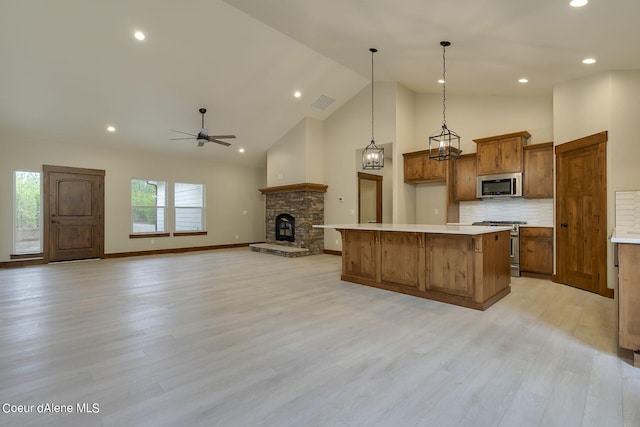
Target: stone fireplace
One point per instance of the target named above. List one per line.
(291, 213)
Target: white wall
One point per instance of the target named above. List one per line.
(314, 151)
(581, 108)
(345, 131)
(286, 158)
(404, 194)
(231, 190)
(474, 117)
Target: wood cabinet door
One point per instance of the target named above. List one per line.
(400, 263)
(358, 251)
(414, 167)
(536, 250)
(629, 296)
(465, 178)
(488, 158)
(433, 169)
(419, 168)
(449, 264)
(538, 171)
(500, 156)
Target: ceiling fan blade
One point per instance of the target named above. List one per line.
(179, 131)
(212, 139)
(222, 136)
(178, 139)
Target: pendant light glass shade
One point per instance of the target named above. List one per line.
(444, 145)
(372, 155)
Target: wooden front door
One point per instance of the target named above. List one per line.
(73, 213)
(581, 214)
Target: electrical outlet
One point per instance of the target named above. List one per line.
(153, 241)
(337, 242)
(237, 236)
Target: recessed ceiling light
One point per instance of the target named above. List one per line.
(111, 128)
(441, 81)
(139, 35)
(523, 80)
(588, 61)
(240, 150)
(297, 94)
(578, 3)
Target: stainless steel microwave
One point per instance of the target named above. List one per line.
(501, 185)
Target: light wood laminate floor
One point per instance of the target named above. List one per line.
(239, 338)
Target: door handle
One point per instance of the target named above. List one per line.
(55, 222)
(564, 224)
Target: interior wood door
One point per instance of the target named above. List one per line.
(73, 213)
(581, 214)
(369, 198)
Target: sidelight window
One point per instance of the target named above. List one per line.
(148, 206)
(27, 214)
(189, 202)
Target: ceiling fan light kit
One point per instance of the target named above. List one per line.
(203, 136)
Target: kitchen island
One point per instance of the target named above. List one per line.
(457, 264)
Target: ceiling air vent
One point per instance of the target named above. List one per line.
(322, 102)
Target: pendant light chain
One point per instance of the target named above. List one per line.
(444, 88)
(372, 52)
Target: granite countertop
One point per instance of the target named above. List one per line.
(420, 228)
(625, 235)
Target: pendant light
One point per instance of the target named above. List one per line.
(445, 144)
(372, 155)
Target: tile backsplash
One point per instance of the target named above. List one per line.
(533, 211)
(628, 209)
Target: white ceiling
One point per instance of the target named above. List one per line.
(69, 68)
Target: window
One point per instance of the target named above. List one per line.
(27, 235)
(148, 206)
(189, 205)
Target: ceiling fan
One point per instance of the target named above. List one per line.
(203, 136)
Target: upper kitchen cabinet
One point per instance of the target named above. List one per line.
(538, 171)
(464, 178)
(502, 153)
(419, 168)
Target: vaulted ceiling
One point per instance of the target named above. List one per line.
(70, 68)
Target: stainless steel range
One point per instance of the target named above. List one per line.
(515, 241)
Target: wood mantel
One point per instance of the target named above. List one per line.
(305, 186)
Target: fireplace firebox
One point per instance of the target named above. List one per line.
(285, 228)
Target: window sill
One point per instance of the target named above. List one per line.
(148, 235)
(27, 256)
(190, 233)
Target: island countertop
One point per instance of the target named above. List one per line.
(419, 228)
